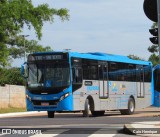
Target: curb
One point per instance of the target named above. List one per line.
(128, 129)
(19, 113)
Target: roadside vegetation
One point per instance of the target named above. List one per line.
(11, 76)
(11, 110)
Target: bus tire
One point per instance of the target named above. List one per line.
(86, 111)
(50, 114)
(131, 108)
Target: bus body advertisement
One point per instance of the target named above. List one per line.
(87, 82)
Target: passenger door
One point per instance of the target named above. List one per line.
(140, 81)
(103, 80)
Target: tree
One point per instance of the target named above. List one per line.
(15, 14)
(154, 59)
(18, 50)
(135, 57)
(3, 54)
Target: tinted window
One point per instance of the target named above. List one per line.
(77, 75)
(157, 80)
(113, 73)
(90, 69)
(131, 72)
(147, 73)
(122, 72)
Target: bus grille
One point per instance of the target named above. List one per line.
(41, 102)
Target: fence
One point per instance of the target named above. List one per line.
(12, 96)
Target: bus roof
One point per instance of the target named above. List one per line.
(108, 57)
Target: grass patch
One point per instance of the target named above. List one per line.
(11, 110)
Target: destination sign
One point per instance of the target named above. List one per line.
(46, 57)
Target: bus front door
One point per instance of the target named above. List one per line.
(103, 80)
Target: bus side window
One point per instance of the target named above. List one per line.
(77, 75)
(147, 74)
(100, 68)
(113, 71)
(131, 72)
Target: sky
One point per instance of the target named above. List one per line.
(108, 26)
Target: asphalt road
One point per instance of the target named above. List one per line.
(65, 120)
(74, 123)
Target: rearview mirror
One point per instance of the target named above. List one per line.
(24, 70)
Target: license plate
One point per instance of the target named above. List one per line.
(44, 104)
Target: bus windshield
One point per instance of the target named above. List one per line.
(48, 75)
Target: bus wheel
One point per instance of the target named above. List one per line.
(50, 114)
(86, 111)
(131, 108)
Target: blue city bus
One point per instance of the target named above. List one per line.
(90, 83)
(156, 94)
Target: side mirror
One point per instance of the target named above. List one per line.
(24, 70)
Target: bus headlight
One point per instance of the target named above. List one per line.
(64, 96)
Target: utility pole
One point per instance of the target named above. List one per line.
(24, 46)
(158, 10)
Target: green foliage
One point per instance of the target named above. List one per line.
(155, 25)
(15, 14)
(4, 53)
(154, 59)
(135, 57)
(11, 76)
(153, 49)
(30, 47)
